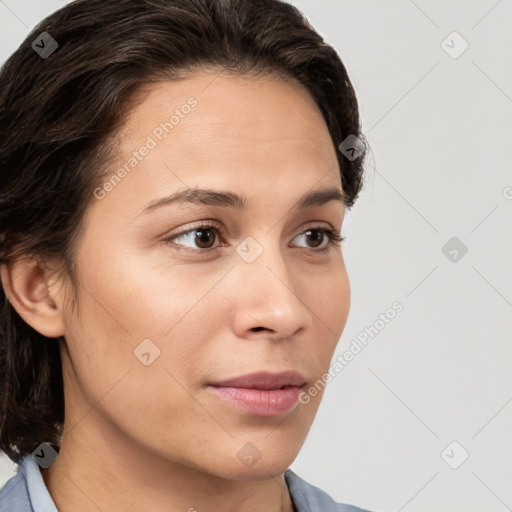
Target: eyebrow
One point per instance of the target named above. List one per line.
(210, 197)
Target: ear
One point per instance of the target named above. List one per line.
(29, 288)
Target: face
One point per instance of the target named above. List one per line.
(175, 296)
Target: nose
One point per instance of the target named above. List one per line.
(269, 297)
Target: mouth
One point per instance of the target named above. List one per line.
(262, 393)
(263, 380)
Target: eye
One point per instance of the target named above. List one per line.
(322, 236)
(203, 236)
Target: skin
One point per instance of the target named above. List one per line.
(153, 437)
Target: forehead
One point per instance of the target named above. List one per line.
(228, 109)
(264, 137)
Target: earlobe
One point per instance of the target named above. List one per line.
(28, 289)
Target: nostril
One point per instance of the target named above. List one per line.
(258, 328)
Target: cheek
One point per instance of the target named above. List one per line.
(110, 377)
(329, 301)
(145, 295)
(135, 311)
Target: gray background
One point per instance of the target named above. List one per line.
(440, 131)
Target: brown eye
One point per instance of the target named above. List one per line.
(317, 237)
(202, 237)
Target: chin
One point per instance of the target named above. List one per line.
(260, 471)
(269, 460)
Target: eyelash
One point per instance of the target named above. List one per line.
(334, 240)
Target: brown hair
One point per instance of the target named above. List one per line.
(57, 115)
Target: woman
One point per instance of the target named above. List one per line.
(172, 195)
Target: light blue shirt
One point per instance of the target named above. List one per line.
(27, 492)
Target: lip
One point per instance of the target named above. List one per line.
(262, 393)
(263, 380)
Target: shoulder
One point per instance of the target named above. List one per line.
(308, 498)
(14, 495)
(26, 491)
